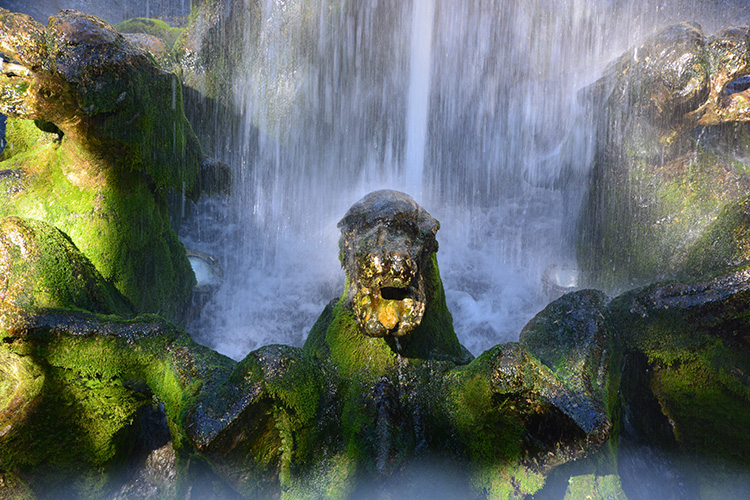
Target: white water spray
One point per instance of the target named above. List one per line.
(419, 94)
(470, 107)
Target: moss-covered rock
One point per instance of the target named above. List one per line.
(23, 135)
(725, 243)
(74, 376)
(84, 379)
(692, 342)
(350, 414)
(40, 267)
(205, 53)
(153, 27)
(123, 146)
(154, 36)
(671, 134)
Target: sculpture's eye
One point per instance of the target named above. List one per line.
(393, 293)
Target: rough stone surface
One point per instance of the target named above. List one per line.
(350, 412)
(120, 147)
(672, 136)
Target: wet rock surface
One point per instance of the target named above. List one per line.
(670, 159)
(349, 410)
(92, 396)
(346, 410)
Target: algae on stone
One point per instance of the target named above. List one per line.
(124, 149)
(666, 162)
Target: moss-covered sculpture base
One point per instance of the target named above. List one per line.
(118, 222)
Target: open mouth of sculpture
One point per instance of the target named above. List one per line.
(394, 293)
(390, 304)
(392, 309)
(390, 298)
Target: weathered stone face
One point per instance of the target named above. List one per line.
(680, 77)
(122, 150)
(386, 240)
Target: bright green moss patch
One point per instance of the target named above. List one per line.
(337, 336)
(42, 268)
(593, 487)
(708, 408)
(154, 27)
(486, 422)
(293, 379)
(116, 221)
(726, 243)
(23, 135)
(488, 428)
(71, 442)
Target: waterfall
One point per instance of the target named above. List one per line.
(419, 94)
(474, 108)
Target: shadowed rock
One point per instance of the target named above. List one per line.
(670, 160)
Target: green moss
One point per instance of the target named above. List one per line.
(488, 428)
(650, 204)
(21, 383)
(707, 405)
(294, 382)
(118, 222)
(12, 488)
(154, 27)
(74, 439)
(42, 268)
(127, 146)
(725, 244)
(592, 487)
(23, 135)
(486, 425)
(435, 338)
(146, 349)
(355, 355)
(697, 363)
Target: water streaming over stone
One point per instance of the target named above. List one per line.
(474, 108)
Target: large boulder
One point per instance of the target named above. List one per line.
(684, 381)
(672, 135)
(78, 374)
(117, 148)
(668, 363)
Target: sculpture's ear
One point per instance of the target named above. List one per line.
(262, 419)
